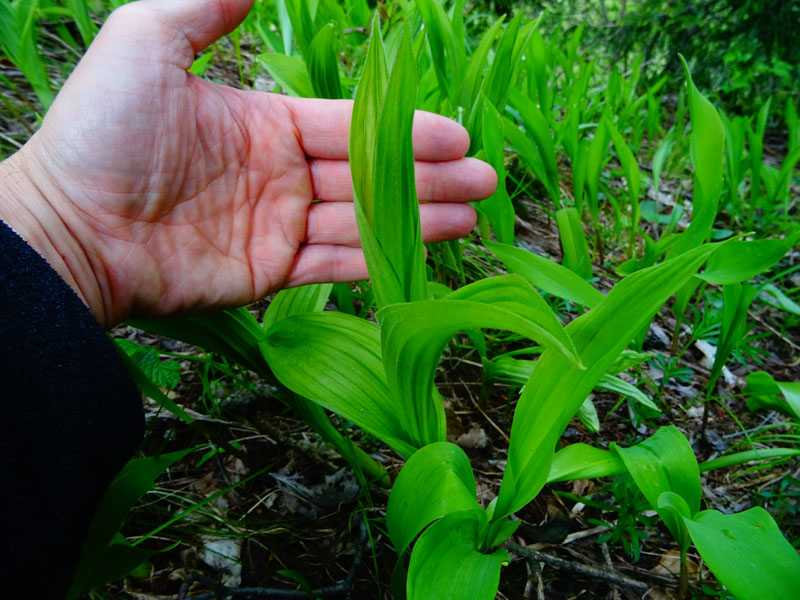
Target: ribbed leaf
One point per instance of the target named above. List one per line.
(573, 242)
(664, 462)
(557, 389)
(706, 150)
(413, 337)
(435, 481)
(382, 165)
(289, 73)
(747, 552)
(498, 209)
(323, 67)
(335, 360)
(446, 563)
(765, 392)
(546, 275)
(739, 261)
(297, 301)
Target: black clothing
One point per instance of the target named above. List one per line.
(71, 418)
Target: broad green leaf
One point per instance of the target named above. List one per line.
(498, 208)
(323, 67)
(137, 477)
(545, 274)
(706, 150)
(413, 336)
(297, 301)
(765, 392)
(599, 336)
(673, 511)
(435, 481)
(289, 73)
(736, 301)
(664, 462)
(581, 461)
(747, 553)
(740, 261)
(446, 563)
(335, 360)
(233, 333)
(573, 242)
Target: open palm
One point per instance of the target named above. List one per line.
(184, 194)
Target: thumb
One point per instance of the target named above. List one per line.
(202, 22)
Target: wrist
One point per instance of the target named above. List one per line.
(35, 211)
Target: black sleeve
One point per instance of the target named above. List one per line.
(71, 417)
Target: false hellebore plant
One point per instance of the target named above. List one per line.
(381, 377)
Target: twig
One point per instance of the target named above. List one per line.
(343, 589)
(554, 561)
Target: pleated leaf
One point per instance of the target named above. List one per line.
(706, 149)
(557, 387)
(435, 481)
(382, 165)
(335, 360)
(447, 565)
(414, 335)
(546, 275)
(747, 553)
(322, 65)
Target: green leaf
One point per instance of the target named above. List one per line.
(435, 481)
(581, 461)
(297, 301)
(323, 67)
(664, 462)
(334, 360)
(382, 165)
(447, 565)
(599, 337)
(545, 274)
(289, 73)
(739, 261)
(747, 553)
(630, 168)
(413, 336)
(538, 129)
(706, 150)
(137, 477)
(764, 393)
(610, 383)
(498, 208)
(302, 24)
(573, 242)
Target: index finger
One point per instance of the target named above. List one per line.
(324, 130)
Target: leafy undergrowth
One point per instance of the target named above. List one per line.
(262, 502)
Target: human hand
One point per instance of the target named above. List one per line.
(153, 191)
